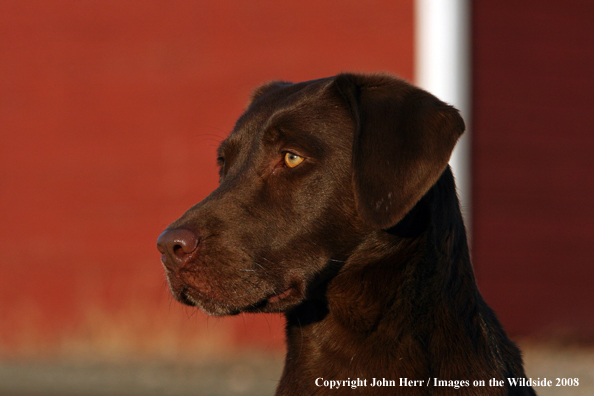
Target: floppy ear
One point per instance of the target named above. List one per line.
(403, 140)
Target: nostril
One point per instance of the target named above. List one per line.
(177, 243)
(178, 250)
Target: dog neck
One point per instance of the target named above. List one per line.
(402, 312)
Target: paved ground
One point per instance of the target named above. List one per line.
(257, 376)
(247, 377)
(562, 363)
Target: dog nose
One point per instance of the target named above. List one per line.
(176, 245)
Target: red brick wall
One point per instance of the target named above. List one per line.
(110, 113)
(533, 165)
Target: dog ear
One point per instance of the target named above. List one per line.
(266, 88)
(403, 140)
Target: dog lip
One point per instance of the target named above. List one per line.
(281, 296)
(186, 298)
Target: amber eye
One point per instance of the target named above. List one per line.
(292, 160)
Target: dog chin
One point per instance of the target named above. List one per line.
(209, 307)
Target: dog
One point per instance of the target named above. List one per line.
(336, 207)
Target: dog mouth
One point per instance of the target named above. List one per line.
(186, 298)
(281, 296)
(276, 302)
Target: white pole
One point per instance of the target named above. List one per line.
(442, 67)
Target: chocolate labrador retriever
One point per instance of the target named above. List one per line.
(336, 207)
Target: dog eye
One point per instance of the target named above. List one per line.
(292, 160)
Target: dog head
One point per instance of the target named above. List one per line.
(308, 172)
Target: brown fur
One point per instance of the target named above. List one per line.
(361, 246)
